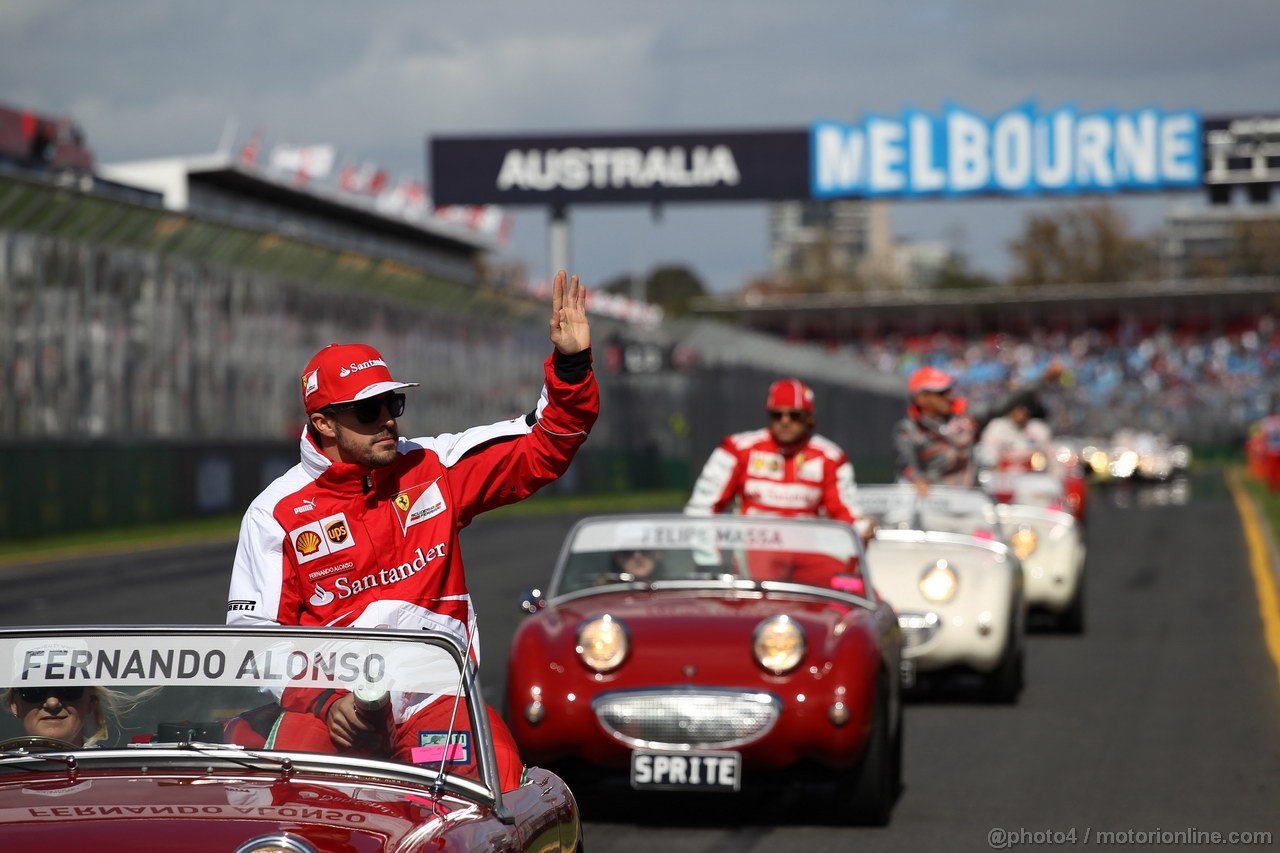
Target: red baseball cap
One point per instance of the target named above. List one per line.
(344, 373)
(929, 379)
(790, 394)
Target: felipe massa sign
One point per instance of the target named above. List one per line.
(954, 153)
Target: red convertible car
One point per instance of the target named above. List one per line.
(706, 654)
(162, 739)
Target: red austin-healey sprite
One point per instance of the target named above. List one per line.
(706, 654)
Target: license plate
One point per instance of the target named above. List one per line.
(683, 771)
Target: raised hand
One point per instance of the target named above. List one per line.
(570, 331)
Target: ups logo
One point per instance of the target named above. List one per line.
(337, 532)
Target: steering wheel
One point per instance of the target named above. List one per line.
(44, 744)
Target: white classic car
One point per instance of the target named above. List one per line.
(942, 562)
(1050, 545)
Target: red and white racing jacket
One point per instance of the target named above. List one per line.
(809, 479)
(331, 543)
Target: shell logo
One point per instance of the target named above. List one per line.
(308, 543)
(337, 532)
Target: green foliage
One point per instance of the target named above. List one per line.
(1083, 244)
(956, 275)
(674, 287)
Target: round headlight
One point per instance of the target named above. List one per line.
(1024, 541)
(939, 582)
(603, 643)
(778, 644)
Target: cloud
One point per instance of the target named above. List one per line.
(150, 78)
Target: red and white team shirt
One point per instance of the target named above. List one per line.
(812, 478)
(339, 544)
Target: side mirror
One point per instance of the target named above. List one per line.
(532, 601)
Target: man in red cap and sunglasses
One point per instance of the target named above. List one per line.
(785, 470)
(364, 531)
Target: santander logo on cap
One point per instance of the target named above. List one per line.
(342, 373)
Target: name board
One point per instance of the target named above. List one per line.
(270, 662)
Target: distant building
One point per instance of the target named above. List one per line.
(1210, 242)
(836, 241)
(918, 264)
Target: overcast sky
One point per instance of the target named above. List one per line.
(149, 78)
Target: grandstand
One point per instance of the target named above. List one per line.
(1192, 359)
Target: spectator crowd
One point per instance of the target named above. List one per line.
(1198, 387)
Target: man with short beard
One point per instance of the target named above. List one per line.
(364, 531)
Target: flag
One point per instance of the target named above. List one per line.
(305, 161)
(252, 149)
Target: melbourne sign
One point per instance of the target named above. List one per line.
(1019, 152)
(956, 152)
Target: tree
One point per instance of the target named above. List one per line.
(1088, 243)
(1255, 248)
(956, 275)
(674, 287)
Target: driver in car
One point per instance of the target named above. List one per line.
(638, 564)
(76, 714)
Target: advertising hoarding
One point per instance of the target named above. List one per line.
(620, 168)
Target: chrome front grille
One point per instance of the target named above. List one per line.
(917, 629)
(687, 719)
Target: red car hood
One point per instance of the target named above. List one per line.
(700, 623)
(177, 810)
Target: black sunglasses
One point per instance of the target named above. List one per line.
(368, 411)
(786, 414)
(37, 695)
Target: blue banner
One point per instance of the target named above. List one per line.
(1019, 152)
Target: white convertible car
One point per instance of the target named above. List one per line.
(942, 562)
(1051, 547)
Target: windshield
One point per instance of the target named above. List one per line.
(652, 549)
(262, 689)
(945, 509)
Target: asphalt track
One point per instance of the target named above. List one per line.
(1163, 717)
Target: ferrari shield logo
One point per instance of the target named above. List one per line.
(418, 504)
